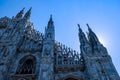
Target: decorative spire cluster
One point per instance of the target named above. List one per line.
(92, 38)
(91, 43)
(26, 16)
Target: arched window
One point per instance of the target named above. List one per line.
(26, 65)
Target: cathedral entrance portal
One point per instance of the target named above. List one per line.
(26, 69)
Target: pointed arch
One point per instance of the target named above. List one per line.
(26, 65)
(73, 76)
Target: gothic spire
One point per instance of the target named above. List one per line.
(49, 30)
(20, 14)
(51, 18)
(82, 37)
(50, 22)
(92, 36)
(28, 13)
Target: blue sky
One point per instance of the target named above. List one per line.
(103, 16)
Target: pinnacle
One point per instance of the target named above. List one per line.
(30, 9)
(28, 13)
(80, 30)
(51, 18)
(19, 14)
(89, 29)
(23, 9)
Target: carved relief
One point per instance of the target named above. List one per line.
(47, 51)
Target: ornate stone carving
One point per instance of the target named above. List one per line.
(52, 60)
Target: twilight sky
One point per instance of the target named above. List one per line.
(103, 16)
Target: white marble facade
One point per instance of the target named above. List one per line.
(27, 54)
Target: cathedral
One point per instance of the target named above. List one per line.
(27, 54)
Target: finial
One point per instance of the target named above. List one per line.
(20, 14)
(28, 13)
(80, 30)
(51, 17)
(78, 25)
(30, 9)
(88, 27)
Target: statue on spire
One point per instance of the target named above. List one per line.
(28, 13)
(20, 14)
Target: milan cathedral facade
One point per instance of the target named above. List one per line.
(27, 54)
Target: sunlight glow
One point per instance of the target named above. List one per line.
(102, 41)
